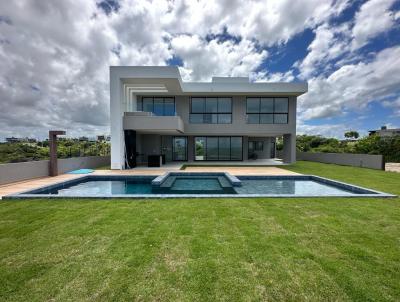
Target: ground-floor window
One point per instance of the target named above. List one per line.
(179, 148)
(218, 148)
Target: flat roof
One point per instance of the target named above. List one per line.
(167, 80)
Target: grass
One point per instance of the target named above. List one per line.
(336, 249)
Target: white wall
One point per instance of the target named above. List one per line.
(347, 159)
(34, 169)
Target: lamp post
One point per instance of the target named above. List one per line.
(53, 170)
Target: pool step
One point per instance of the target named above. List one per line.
(224, 182)
(168, 182)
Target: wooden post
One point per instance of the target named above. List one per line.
(53, 170)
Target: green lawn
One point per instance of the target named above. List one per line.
(336, 249)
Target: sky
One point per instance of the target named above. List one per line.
(55, 57)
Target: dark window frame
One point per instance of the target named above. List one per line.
(157, 97)
(262, 112)
(205, 112)
(205, 148)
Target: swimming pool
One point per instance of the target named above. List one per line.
(180, 184)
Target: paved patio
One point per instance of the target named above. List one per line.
(243, 170)
(22, 186)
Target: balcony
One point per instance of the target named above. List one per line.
(147, 122)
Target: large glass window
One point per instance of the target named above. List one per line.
(212, 148)
(267, 110)
(198, 105)
(253, 105)
(281, 105)
(224, 105)
(200, 148)
(236, 148)
(224, 148)
(161, 106)
(179, 148)
(148, 104)
(212, 105)
(218, 148)
(169, 106)
(158, 106)
(210, 110)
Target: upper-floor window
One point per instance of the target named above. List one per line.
(161, 106)
(267, 110)
(210, 110)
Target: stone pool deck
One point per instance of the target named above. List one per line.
(31, 184)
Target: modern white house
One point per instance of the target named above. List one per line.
(156, 117)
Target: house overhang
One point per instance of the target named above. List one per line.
(166, 80)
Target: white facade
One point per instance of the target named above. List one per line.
(133, 88)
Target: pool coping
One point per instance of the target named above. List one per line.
(28, 194)
(159, 180)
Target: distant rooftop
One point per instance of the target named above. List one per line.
(385, 128)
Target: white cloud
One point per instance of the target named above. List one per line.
(270, 22)
(373, 18)
(54, 55)
(265, 76)
(54, 61)
(326, 130)
(394, 105)
(328, 44)
(352, 87)
(204, 59)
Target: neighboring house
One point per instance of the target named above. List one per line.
(14, 140)
(154, 112)
(20, 140)
(103, 138)
(385, 132)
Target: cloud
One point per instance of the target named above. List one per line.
(394, 105)
(54, 55)
(269, 22)
(326, 130)
(328, 44)
(204, 59)
(352, 87)
(373, 18)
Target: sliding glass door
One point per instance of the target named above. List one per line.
(211, 148)
(236, 148)
(222, 148)
(179, 148)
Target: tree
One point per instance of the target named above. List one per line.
(351, 134)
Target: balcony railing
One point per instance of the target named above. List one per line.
(149, 122)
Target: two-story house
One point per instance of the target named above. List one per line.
(154, 112)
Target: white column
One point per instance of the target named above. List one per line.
(116, 116)
(289, 148)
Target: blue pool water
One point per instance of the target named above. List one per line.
(200, 185)
(291, 187)
(196, 184)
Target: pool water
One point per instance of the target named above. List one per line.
(196, 184)
(291, 187)
(103, 187)
(200, 185)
